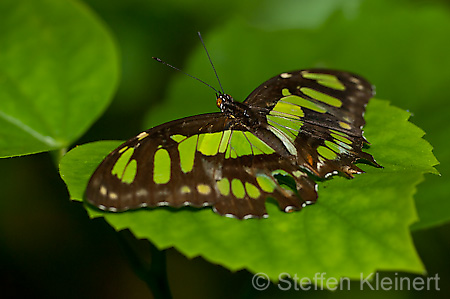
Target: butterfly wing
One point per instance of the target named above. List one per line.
(319, 116)
(215, 160)
(205, 160)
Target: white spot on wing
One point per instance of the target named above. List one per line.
(298, 173)
(203, 189)
(354, 80)
(285, 75)
(103, 190)
(141, 192)
(185, 190)
(288, 209)
(142, 135)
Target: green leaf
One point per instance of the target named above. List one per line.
(357, 226)
(58, 72)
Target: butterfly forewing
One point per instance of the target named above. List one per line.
(332, 98)
(321, 112)
(206, 160)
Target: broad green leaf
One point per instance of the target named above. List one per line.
(357, 226)
(58, 72)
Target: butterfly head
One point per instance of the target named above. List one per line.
(224, 101)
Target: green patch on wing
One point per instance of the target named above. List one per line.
(325, 80)
(209, 143)
(258, 146)
(340, 136)
(296, 100)
(178, 138)
(224, 186)
(322, 97)
(161, 164)
(334, 147)
(186, 150)
(326, 153)
(239, 145)
(237, 188)
(290, 127)
(252, 190)
(225, 141)
(125, 169)
(266, 183)
(287, 109)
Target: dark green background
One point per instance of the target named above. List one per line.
(50, 248)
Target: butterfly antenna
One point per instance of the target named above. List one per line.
(210, 61)
(169, 65)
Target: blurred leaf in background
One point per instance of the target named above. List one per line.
(59, 70)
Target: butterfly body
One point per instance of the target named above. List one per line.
(243, 117)
(300, 125)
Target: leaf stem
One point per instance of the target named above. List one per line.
(57, 155)
(148, 262)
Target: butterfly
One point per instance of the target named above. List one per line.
(299, 126)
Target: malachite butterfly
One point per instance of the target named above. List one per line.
(299, 126)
